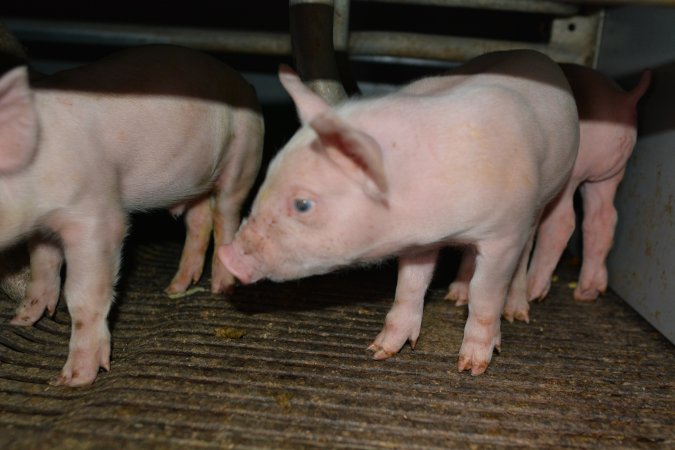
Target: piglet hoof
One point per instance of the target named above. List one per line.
(223, 285)
(222, 281)
(400, 326)
(388, 342)
(586, 295)
(458, 292)
(81, 369)
(592, 283)
(30, 311)
(476, 356)
(538, 291)
(179, 284)
(23, 320)
(518, 310)
(476, 367)
(522, 316)
(379, 353)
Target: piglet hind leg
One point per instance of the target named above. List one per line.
(517, 305)
(198, 224)
(92, 252)
(45, 282)
(495, 265)
(404, 320)
(599, 223)
(458, 291)
(555, 230)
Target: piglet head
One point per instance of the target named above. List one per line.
(317, 207)
(18, 121)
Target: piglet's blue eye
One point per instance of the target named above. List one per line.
(302, 205)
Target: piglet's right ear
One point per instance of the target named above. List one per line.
(18, 121)
(307, 103)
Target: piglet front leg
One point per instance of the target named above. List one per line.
(198, 224)
(404, 320)
(496, 262)
(92, 251)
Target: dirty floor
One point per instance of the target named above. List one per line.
(285, 366)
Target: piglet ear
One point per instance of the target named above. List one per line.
(353, 150)
(308, 104)
(18, 121)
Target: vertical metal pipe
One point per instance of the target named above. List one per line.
(341, 44)
(311, 27)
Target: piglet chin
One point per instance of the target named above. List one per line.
(237, 264)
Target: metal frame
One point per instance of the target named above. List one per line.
(321, 42)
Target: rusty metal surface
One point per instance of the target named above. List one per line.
(530, 6)
(286, 366)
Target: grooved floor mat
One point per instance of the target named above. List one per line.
(285, 366)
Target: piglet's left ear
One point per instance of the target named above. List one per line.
(353, 150)
(308, 104)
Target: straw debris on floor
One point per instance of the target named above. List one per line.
(286, 366)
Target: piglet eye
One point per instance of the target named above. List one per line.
(302, 205)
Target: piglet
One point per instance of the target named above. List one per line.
(607, 119)
(470, 158)
(149, 127)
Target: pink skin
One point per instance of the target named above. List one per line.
(118, 136)
(346, 189)
(608, 132)
(607, 136)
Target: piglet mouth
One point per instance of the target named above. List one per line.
(243, 267)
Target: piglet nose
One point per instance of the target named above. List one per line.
(233, 260)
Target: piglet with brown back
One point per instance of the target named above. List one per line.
(150, 127)
(607, 122)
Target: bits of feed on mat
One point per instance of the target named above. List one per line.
(572, 284)
(187, 293)
(229, 333)
(284, 400)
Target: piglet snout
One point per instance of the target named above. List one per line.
(233, 258)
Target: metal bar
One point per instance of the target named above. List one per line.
(341, 25)
(311, 26)
(341, 44)
(410, 45)
(362, 43)
(623, 2)
(128, 35)
(531, 6)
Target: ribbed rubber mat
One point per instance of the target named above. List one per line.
(286, 366)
